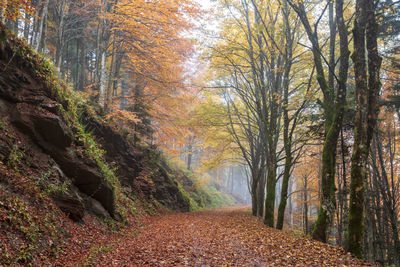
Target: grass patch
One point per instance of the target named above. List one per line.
(14, 158)
(18, 215)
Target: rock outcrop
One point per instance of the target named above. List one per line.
(140, 168)
(33, 112)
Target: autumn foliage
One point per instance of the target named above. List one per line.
(12, 9)
(276, 89)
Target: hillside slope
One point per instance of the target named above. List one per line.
(61, 162)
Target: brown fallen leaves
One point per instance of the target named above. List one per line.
(225, 237)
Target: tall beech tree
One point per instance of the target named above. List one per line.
(333, 106)
(367, 63)
(293, 139)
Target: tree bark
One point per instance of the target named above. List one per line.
(287, 137)
(261, 195)
(41, 26)
(333, 109)
(367, 95)
(82, 65)
(254, 200)
(27, 24)
(305, 204)
(101, 52)
(60, 35)
(270, 199)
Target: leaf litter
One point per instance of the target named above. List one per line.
(223, 237)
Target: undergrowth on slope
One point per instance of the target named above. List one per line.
(71, 105)
(31, 230)
(52, 187)
(202, 190)
(193, 206)
(14, 158)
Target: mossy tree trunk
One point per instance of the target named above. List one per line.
(333, 108)
(268, 108)
(254, 200)
(261, 195)
(270, 199)
(366, 68)
(271, 132)
(327, 200)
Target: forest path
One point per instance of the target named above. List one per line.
(223, 237)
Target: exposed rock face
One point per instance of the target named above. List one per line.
(95, 207)
(141, 169)
(72, 205)
(33, 113)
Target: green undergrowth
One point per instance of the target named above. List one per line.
(158, 161)
(201, 189)
(200, 194)
(31, 230)
(193, 205)
(78, 104)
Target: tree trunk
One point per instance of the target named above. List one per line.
(42, 44)
(367, 94)
(254, 199)
(287, 138)
(118, 65)
(270, 199)
(284, 192)
(389, 207)
(27, 24)
(305, 204)
(345, 192)
(101, 52)
(103, 79)
(261, 195)
(328, 203)
(60, 36)
(189, 152)
(111, 76)
(333, 110)
(42, 19)
(82, 65)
